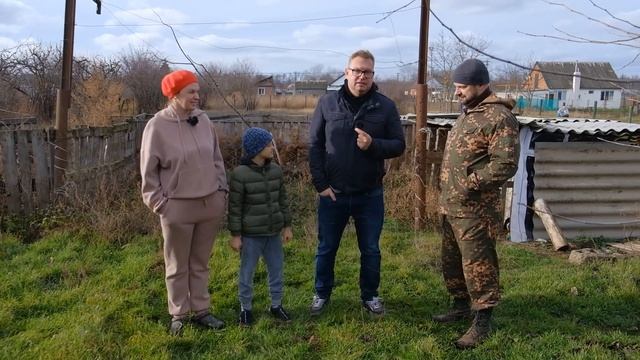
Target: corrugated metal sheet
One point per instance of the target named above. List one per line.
(575, 126)
(593, 187)
(592, 127)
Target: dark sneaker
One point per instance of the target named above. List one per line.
(175, 329)
(208, 321)
(246, 318)
(280, 313)
(374, 306)
(317, 305)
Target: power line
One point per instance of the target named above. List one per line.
(398, 10)
(280, 48)
(265, 22)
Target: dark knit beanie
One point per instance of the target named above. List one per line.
(254, 140)
(471, 72)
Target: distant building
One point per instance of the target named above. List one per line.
(549, 89)
(265, 86)
(336, 84)
(310, 87)
(433, 86)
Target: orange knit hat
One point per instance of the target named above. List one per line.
(175, 81)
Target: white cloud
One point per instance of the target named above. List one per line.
(13, 12)
(388, 43)
(315, 34)
(486, 6)
(15, 15)
(7, 43)
(147, 15)
(115, 43)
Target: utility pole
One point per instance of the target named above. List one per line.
(63, 100)
(419, 180)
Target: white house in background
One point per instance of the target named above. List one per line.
(576, 91)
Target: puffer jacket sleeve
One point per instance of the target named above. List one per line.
(236, 196)
(284, 203)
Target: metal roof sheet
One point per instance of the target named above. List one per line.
(576, 126)
(580, 126)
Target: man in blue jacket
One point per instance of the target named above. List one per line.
(353, 131)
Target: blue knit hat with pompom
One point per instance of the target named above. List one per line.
(254, 140)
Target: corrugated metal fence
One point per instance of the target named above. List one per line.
(593, 188)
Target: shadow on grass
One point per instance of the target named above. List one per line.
(578, 313)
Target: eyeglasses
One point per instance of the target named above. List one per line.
(358, 73)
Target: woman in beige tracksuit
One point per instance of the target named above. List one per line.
(184, 182)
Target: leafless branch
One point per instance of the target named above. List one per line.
(513, 63)
(589, 17)
(613, 16)
(204, 68)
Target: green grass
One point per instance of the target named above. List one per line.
(73, 296)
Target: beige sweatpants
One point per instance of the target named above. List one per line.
(189, 228)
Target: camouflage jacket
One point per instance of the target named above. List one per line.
(480, 155)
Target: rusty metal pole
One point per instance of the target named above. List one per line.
(419, 180)
(64, 95)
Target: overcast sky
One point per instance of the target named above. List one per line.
(279, 36)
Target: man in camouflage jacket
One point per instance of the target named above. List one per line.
(481, 153)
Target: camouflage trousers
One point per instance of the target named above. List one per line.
(469, 260)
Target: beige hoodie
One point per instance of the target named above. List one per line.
(178, 160)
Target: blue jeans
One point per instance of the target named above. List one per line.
(270, 248)
(367, 210)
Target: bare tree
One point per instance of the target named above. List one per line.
(446, 53)
(616, 31)
(97, 91)
(142, 72)
(212, 85)
(33, 70)
(241, 81)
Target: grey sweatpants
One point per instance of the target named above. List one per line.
(270, 248)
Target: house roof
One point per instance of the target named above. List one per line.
(311, 85)
(337, 83)
(598, 70)
(265, 82)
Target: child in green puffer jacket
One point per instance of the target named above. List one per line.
(259, 221)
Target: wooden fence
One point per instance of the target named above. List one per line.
(26, 167)
(26, 162)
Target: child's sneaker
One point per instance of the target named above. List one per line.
(246, 318)
(280, 313)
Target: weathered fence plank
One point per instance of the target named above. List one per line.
(40, 150)
(24, 169)
(10, 170)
